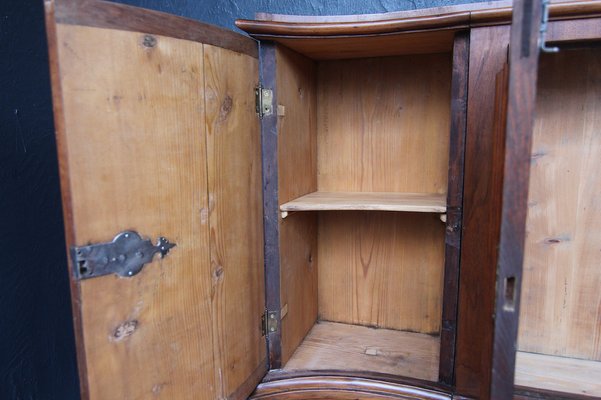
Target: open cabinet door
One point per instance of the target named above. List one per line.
(521, 98)
(157, 135)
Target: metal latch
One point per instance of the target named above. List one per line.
(263, 101)
(543, 30)
(124, 256)
(269, 322)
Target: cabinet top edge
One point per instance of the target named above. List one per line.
(450, 17)
(109, 15)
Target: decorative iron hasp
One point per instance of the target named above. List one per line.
(124, 256)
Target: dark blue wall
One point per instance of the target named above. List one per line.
(37, 350)
(37, 359)
(225, 12)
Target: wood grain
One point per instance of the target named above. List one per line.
(383, 124)
(381, 269)
(526, 393)
(375, 201)
(110, 15)
(389, 132)
(134, 133)
(347, 47)
(561, 374)
(521, 99)
(481, 208)
(296, 80)
(236, 229)
(271, 224)
(561, 300)
(459, 84)
(574, 32)
(340, 346)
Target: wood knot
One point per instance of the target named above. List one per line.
(149, 41)
(218, 272)
(556, 240)
(225, 109)
(124, 330)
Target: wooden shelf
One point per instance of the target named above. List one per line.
(375, 201)
(335, 346)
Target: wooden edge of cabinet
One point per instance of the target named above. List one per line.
(61, 145)
(453, 230)
(251, 383)
(521, 99)
(346, 384)
(269, 149)
(103, 14)
(568, 33)
(480, 14)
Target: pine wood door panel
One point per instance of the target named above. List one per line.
(521, 97)
(158, 134)
(235, 217)
(137, 160)
(561, 302)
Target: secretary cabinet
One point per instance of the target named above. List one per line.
(337, 207)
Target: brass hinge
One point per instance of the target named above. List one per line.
(263, 101)
(269, 322)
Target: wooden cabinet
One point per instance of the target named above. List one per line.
(347, 199)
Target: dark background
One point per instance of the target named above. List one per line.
(37, 349)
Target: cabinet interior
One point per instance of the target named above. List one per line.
(363, 154)
(559, 343)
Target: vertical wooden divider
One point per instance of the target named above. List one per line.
(521, 99)
(481, 210)
(297, 176)
(269, 149)
(454, 207)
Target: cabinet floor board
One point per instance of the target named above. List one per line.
(561, 374)
(335, 346)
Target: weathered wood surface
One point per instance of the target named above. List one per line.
(335, 346)
(297, 158)
(521, 99)
(133, 112)
(481, 208)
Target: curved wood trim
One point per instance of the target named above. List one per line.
(103, 14)
(483, 14)
(350, 18)
(352, 28)
(320, 385)
(275, 375)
